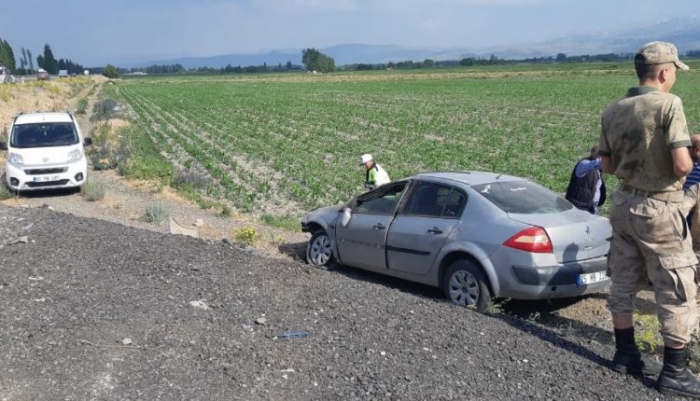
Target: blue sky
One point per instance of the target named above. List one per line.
(94, 32)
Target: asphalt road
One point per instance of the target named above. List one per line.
(95, 310)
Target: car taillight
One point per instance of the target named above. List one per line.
(532, 239)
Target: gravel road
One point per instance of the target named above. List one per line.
(96, 310)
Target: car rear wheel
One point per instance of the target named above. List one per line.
(319, 252)
(465, 284)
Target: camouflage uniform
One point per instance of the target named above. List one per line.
(650, 235)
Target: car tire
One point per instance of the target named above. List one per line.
(464, 284)
(319, 252)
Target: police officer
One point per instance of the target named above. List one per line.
(643, 142)
(375, 175)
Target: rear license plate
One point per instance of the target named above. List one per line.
(46, 178)
(590, 278)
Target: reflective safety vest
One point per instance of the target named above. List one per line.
(376, 176)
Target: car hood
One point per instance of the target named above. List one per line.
(327, 214)
(575, 234)
(46, 156)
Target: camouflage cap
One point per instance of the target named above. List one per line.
(660, 53)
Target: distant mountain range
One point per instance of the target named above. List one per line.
(684, 32)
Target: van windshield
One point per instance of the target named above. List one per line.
(43, 135)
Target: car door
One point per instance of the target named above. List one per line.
(420, 229)
(362, 243)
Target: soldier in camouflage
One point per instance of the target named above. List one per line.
(643, 142)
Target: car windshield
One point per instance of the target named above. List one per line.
(522, 197)
(43, 135)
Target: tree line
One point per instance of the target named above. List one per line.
(25, 64)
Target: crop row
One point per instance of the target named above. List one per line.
(299, 141)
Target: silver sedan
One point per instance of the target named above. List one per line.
(476, 235)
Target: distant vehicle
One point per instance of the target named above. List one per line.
(42, 75)
(45, 151)
(63, 73)
(6, 77)
(86, 72)
(476, 235)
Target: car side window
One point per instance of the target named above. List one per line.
(435, 200)
(382, 201)
(454, 204)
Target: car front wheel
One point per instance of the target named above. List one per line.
(319, 252)
(465, 284)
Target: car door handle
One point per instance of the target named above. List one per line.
(435, 230)
(379, 226)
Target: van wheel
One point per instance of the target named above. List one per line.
(319, 252)
(465, 284)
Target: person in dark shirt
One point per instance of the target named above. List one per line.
(586, 188)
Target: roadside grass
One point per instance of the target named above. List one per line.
(5, 192)
(286, 222)
(93, 191)
(155, 214)
(82, 106)
(104, 110)
(144, 160)
(694, 352)
(106, 153)
(646, 332)
(5, 93)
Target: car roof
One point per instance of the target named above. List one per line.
(33, 118)
(469, 177)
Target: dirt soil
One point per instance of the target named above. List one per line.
(581, 321)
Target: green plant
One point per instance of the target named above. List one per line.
(104, 110)
(245, 236)
(155, 214)
(93, 191)
(694, 352)
(82, 106)
(190, 179)
(646, 330)
(226, 211)
(290, 223)
(496, 307)
(5, 192)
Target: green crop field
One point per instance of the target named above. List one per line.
(283, 144)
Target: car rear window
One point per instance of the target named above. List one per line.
(43, 135)
(523, 197)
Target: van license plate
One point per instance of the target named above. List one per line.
(590, 278)
(45, 178)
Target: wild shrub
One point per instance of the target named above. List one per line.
(104, 110)
(106, 155)
(155, 214)
(5, 192)
(245, 236)
(82, 106)
(190, 178)
(93, 191)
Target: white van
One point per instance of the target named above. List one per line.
(45, 151)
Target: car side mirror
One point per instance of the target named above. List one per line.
(3, 145)
(345, 218)
(87, 141)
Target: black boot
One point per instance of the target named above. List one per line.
(627, 357)
(676, 378)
